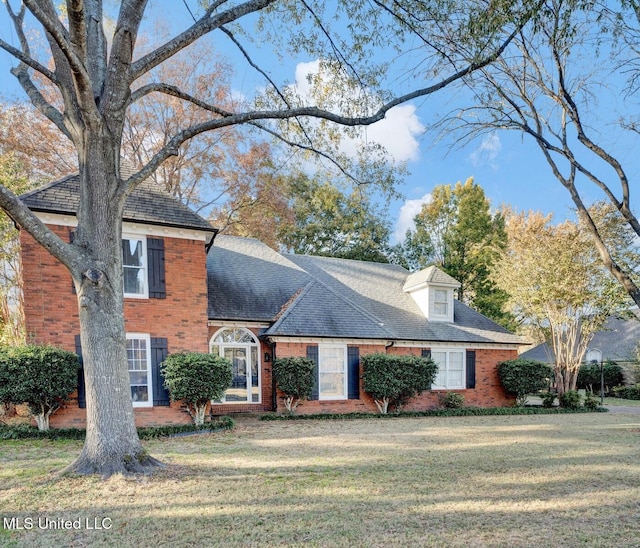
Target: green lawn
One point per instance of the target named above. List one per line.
(559, 480)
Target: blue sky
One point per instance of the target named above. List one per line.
(509, 167)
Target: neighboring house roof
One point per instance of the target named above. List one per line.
(617, 340)
(146, 204)
(327, 297)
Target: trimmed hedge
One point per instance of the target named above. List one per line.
(24, 432)
(461, 412)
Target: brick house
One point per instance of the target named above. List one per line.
(186, 289)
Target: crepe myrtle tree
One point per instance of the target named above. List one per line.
(40, 376)
(98, 81)
(392, 380)
(196, 379)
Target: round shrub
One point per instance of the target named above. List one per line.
(522, 377)
(295, 377)
(196, 379)
(41, 376)
(570, 399)
(392, 380)
(548, 399)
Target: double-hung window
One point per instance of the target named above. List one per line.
(139, 361)
(134, 264)
(332, 372)
(451, 369)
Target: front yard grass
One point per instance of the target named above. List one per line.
(559, 480)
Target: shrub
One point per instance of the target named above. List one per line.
(589, 375)
(591, 401)
(570, 399)
(522, 377)
(39, 375)
(295, 377)
(548, 399)
(196, 379)
(627, 392)
(392, 380)
(452, 400)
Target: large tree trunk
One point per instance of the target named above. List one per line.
(112, 444)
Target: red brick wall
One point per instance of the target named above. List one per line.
(488, 392)
(52, 317)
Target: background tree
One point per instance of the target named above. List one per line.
(557, 287)
(458, 232)
(40, 376)
(97, 78)
(12, 329)
(196, 379)
(329, 222)
(563, 79)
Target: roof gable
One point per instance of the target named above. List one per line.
(146, 204)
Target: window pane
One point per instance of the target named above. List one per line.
(441, 359)
(137, 358)
(132, 253)
(133, 280)
(331, 372)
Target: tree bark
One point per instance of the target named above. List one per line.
(112, 444)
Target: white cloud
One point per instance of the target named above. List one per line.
(407, 213)
(488, 151)
(397, 133)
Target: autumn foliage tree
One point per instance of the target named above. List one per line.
(557, 286)
(99, 78)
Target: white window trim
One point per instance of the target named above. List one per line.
(147, 338)
(448, 350)
(448, 317)
(145, 267)
(247, 347)
(345, 370)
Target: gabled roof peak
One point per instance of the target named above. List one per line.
(430, 275)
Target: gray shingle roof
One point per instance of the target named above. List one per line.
(617, 341)
(146, 204)
(431, 274)
(327, 297)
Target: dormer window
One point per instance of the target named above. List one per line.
(432, 290)
(440, 302)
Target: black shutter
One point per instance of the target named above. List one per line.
(426, 353)
(312, 354)
(159, 351)
(82, 397)
(155, 254)
(353, 368)
(471, 368)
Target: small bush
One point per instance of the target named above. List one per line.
(548, 399)
(591, 402)
(570, 399)
(452, 400)
(295, 377)
(522, 377)
(196, 379)
(627, 392)
(392, 380)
